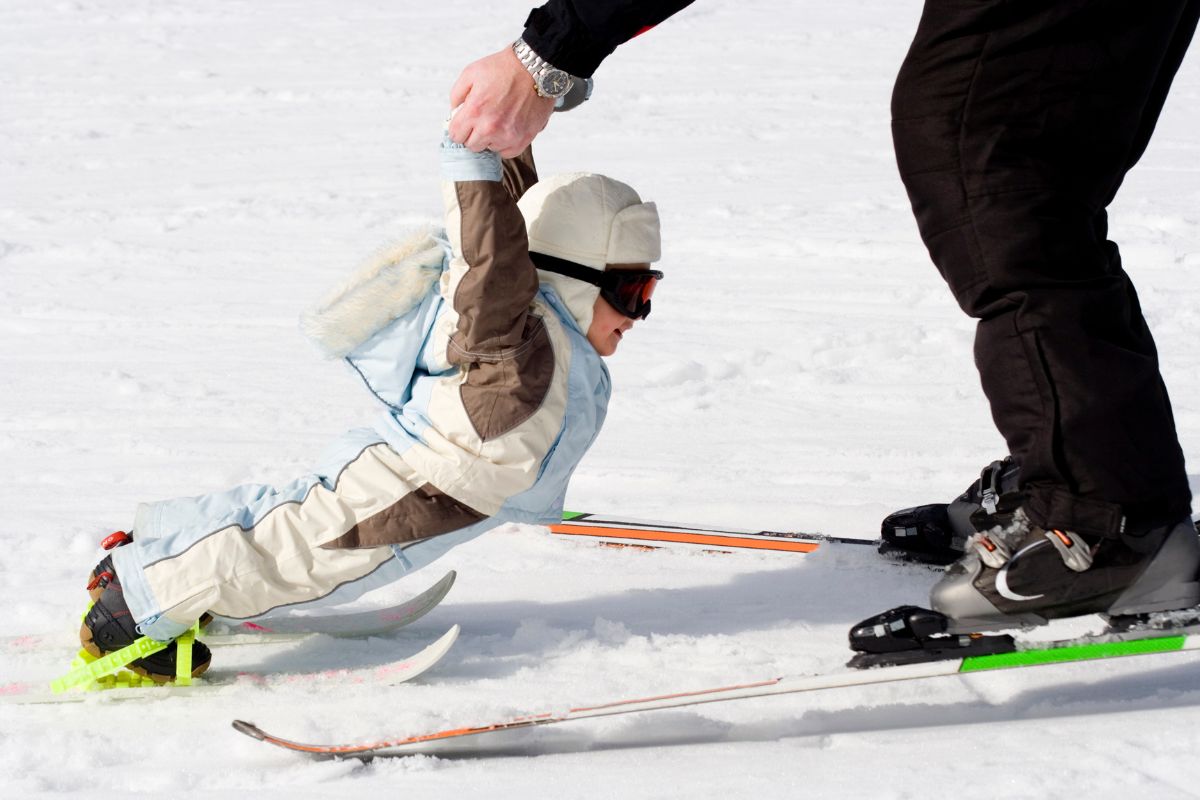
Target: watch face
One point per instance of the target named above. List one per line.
(555, 83)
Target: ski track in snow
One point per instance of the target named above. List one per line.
(178, 180)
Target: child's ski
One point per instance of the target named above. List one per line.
(223, 632)
(393, 672)
(1085, 649)
(374, 622)
(640, 533)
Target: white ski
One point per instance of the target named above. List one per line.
(373, 622)
(223, 631)
(389, 674)
(1109, 646)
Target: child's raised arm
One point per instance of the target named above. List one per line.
(491, 283)
(492, 279)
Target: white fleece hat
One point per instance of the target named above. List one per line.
(592, 220)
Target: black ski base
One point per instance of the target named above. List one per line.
(913, 635)
(951, 647)
(924, 535)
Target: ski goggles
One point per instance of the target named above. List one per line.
(626, 290)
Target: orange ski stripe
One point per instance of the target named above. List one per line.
(346, 749)
(686, 538)
(517, 722)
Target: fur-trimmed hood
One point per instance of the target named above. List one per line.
(387, 286)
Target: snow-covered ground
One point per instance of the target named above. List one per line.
(179, 179)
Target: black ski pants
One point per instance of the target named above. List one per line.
(1014, 124)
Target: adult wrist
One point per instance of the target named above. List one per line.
(549, 81)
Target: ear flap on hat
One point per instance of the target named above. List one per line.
(634, 236)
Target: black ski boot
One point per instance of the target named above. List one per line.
(938, 533)
(109, 626)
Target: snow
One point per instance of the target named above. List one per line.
(178, 180)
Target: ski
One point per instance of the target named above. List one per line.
(619, 532)
(1103, 646)
(354, 624)
(224, 632)
(389, 674)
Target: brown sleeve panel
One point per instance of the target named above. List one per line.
(500, 395)
(493, 297)
(505, 351)
(421, 514)
(519, 173)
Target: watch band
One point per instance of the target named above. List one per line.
(548, 80)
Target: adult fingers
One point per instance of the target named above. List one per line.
(461, 126)
(461, 88)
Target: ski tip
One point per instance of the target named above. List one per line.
(250, 729)
(443, 644)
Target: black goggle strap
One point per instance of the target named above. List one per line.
(571, 269)
(609, 281)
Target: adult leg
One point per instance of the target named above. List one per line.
(1014, 123)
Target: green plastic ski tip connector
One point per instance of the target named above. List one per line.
(95, 673)
(1079, 652)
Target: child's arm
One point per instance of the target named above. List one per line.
(492, 284)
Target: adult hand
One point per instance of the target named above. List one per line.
(498, 108)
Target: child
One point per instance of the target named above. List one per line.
(489, 373)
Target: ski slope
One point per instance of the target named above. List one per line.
(178, 180)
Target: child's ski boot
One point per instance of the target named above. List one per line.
(109, 625)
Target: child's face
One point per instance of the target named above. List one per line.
(609, 325)
(607, 328)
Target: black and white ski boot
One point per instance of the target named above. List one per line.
(938, 533)
(109, 625)
(1022, 575)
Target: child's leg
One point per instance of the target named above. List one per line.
(408, 558)
(203, 513)
(252, 549)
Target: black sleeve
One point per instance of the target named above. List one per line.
(576, 35)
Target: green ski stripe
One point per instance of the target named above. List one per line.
(1078, 652)
(570, 515)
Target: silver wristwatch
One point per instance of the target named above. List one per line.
(549, 80)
